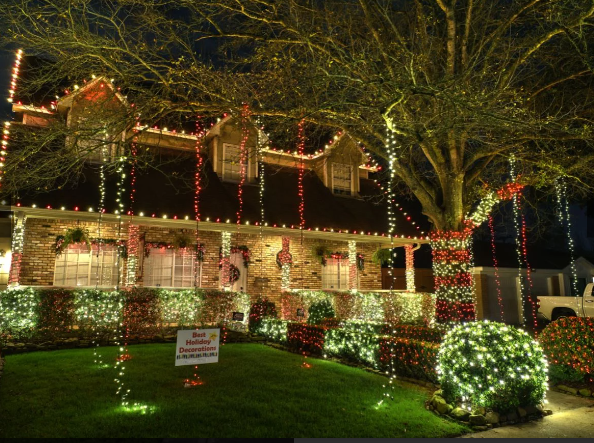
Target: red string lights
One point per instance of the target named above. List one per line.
(245, 133)
(529, 300)
(300, 151)
(496, 266)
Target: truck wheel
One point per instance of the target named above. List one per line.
(561, 313)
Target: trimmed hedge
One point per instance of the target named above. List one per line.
(394, 308)
(358, 342)
(39, 314)
(410, 358)
(569, 342)
(306, 338)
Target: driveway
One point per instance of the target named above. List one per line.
(572, 417)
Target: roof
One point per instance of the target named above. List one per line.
(166, 193)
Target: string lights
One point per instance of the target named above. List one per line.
(245, 133)
(18, 244)
(496, 267)
(197, 189)
(15, 76)
(410, 268)
(352, 265)
(226, 260)
(300, 151)
(564, 220)
(284, 260)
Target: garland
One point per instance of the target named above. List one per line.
(163, 245)
(245, 252)
(78, 236)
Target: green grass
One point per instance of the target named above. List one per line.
(254, 391)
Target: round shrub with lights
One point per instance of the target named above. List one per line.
(569, 343)
(492, 365)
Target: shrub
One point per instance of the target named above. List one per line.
(492, 365)
(409, 358)
(319, 311)
(422, 333)
(181, 307)
(364, 327)
(142, 311)
(217, 307)
(18, 313)
(570, 342)
(290, 302)
(347, 305)
(310, 338)
(56, 312)
(260, 309)
(353, 345)
(274, 329)
(562, 373)
(98, 311)
(409, 308)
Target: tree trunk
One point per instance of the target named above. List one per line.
(452, 264)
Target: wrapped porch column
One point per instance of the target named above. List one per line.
(352, 265)
(18, 243)
(226, 261)
(133, 245)
(410, 268)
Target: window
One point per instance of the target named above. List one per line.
(77, 266)
(171, 268)
(232, 162)
(341, 179)
(335, 275)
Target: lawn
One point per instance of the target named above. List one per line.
(254, 391)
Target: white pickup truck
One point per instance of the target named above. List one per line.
(552, 308)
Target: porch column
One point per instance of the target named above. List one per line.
(284, 260)
(226, 261)
(410, 268)
(133, 245)
(352, 265)
(18, 244)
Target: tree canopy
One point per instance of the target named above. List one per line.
(445, 90)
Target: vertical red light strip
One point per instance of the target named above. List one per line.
(528, 270)
(300, 152)
(245, 133)
(496, 266)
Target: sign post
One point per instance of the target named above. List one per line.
(194, 347)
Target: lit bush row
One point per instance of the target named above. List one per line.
(399, 307)
(30, 312)
(361, 343)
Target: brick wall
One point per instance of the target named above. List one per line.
(264, 277)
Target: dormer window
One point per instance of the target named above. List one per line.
(232, 162)
(342, 179)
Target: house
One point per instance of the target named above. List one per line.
(248, 237)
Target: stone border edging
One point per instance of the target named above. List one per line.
(480, 419)
(585, 392)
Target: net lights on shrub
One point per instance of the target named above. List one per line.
(492, 365)
(569, 342)
(18, 312)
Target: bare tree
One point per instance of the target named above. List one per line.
(446, 91)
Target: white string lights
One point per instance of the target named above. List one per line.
(564, 220)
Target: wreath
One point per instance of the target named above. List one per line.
(234, 273)
(360, 262)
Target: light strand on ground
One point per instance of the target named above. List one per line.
(496, 268)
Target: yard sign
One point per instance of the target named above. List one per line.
(197, 346)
